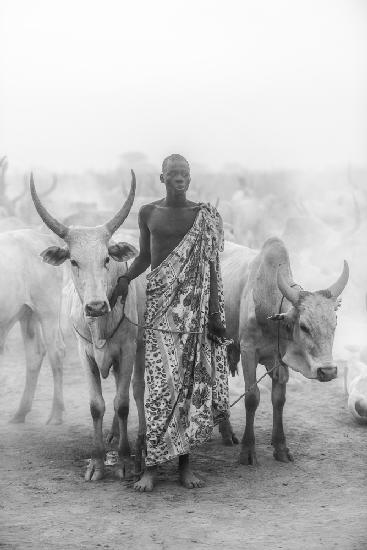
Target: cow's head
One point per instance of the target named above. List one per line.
(89, 250)
(310, 324)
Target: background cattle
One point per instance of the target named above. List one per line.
(355, 386)
(30, 293)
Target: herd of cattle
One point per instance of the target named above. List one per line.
(272, 320)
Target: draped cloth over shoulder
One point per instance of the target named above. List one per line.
(187, 374)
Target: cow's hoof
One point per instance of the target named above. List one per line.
(283, 455)
(18, 418)
(235, 439)
(95, 470)
(230, 440)
(124, 469)
(248, 456)
(119, 471)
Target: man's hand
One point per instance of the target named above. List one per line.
(121, 289)
(215, 326)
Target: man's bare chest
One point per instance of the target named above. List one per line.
(171, 223)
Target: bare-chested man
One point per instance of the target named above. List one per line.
(186, 369)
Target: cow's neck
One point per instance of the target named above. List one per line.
(102, 328)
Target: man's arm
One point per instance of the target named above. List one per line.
(142, 261)
(139, 265)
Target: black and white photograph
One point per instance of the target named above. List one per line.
(183, 274)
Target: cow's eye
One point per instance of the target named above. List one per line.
(107, 261)
(74, 263)
(304, 328)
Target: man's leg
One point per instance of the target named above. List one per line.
(146, 483)
(187, 477)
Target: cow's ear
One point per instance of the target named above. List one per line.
(55, 255)
(121, 252)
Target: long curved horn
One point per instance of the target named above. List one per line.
(123, 213)
(288, 292)
(337, 288)
(57, 227)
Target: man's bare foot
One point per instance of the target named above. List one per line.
(187, 477)
(146, 482)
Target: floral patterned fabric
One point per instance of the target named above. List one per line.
(187, 374)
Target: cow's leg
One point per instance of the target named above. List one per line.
(95, 469)
(34, 354)
(278, 441)
(228, 436)
(56, 351)
(252, 399)
(113, 434)
(123, 372)
(138, 389)
(225, 427)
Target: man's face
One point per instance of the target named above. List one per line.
(176, 176)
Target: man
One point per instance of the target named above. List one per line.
(185, 355)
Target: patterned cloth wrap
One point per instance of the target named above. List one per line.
(187, 374)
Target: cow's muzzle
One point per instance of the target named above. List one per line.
(325, 374)
(96, 309)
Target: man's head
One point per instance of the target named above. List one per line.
(176, 173)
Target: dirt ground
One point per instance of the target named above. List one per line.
(319, 501)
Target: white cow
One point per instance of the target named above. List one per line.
(107, 339)
(258, 290)
(30, 292)
(355, 386)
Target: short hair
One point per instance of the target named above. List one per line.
(173, 157)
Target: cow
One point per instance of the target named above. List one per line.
(276, 323)
(355, 387)
(105, 338)
(30, 292)
(355, 381)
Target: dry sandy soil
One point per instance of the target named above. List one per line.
(319, 501)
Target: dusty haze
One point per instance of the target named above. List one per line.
(267, 84)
